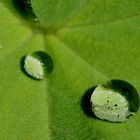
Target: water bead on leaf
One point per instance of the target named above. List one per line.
(37, 64)
(115, 101)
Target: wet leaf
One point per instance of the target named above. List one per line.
(90, 42)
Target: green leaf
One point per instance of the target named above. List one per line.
(58, 11)
(90, 42)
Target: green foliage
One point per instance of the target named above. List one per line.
(90, 41)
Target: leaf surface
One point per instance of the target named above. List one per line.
(90, 42)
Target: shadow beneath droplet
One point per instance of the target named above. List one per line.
(86, 104)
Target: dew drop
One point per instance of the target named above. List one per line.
(37, 65)
(36, 19)
(114, 101)
(25, 9)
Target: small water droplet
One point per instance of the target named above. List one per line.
(37, 64)
(114, 101)
(36, 19)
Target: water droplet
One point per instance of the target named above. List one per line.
(24, 7)
(37, 64)
(36, 19)
(114, 101)
(1, 46)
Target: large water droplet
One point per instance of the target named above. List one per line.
(114, 101)
(37, 64)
